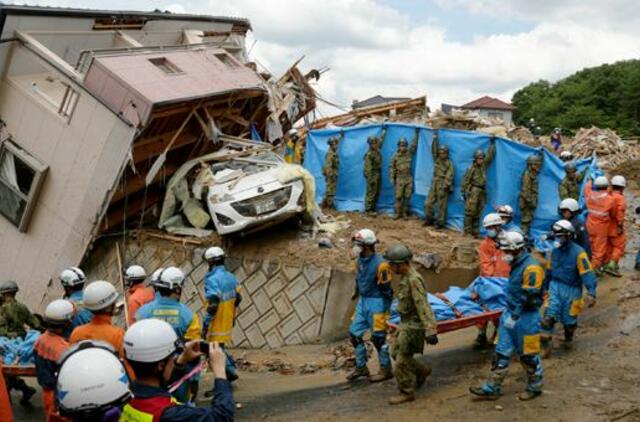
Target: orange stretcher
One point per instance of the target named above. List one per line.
(463, 322)
(19, 370)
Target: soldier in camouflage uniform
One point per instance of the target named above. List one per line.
(330, 171)
(441, 184)
(400, 174)
(474, 188)
(14, 316)
(372, 168)
(529, 191)
(417, 324)
(570, 185)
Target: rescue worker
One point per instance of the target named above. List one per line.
(48, 350)
(568, 269)
(600, 205)
(400, 174)
(374, 293)
(330, 170)
(474, 188)
(491, 264)
(528, 199)
(72, 280)
(441, 185)
(616, 240)
(92, 383)
(100, 298)
(566, 156)
(569, 209)
(299, 150)
(519, 330)
(150, 346)
(570, 185)
(15, 316)
(167, 307)
(372, 171)
(139, 294)
(222, 291)
(290, 147)
(506, 212)
(556, 139)
(417, 325)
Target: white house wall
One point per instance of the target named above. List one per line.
(84, 158)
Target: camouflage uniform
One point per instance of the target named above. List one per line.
(570, 188)
(401, 177)
(474, 191)
(441, 186)
(417, 321)
(330, 172)
(15, 316)
(372, 168)
(528, 199)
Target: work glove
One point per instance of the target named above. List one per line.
(432, 339)
(510, 322)
(590, 301)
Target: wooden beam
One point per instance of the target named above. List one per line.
(150, 150)
(136, 183)
(116, 216)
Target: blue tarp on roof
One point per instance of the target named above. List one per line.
(504, 174)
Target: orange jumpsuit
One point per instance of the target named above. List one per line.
(48, 349)
(138, 295)
(616, 242)
(491, 263)
(600, 205)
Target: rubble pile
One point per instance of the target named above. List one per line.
(410, 111)
(523, 135)
(461, 119)
(610, 149)
(343, 357)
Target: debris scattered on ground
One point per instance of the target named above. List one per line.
(462, 119)
(610, 149)
(325, 242)
(309, 368)
(343, 357)
(428, 260)
(410, 111)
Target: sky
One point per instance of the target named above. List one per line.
(453, 51)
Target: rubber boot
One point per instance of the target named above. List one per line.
(402, 398)
(384, 374)
(428, 221)
(423, 372)
(27, 393)
(481, 342)
(482, 394)
(569, 331)
(357, 373)
(547, 344)
(529, 395)
(612, 268)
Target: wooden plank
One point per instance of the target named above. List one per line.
(115, 217)
(136, 183)
(150, 150)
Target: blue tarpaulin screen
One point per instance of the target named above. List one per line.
(504, 173)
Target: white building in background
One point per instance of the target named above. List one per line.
(492, 108)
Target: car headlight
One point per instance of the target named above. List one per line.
(216, 199)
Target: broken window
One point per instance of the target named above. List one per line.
(496, 115)
(21, 177)
(227, 60)
(57, 94)
(166, 66)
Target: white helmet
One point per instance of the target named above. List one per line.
(213, 253)
(72, 276)
(511, 241)
(492, 219)
(59, 312)
(569, 204)
(150, 340)
(505, 211)
(91, 380)
(563, 227)
(566, 155)
(365, 237)
(293, 132)
(170, 278)
(618, 181)
(156, 275)
(99, 295)
(135, 273)
(601, 182)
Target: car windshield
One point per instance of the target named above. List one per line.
(249, 165)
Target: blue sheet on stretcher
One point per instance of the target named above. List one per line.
(18, 350)
(482, 295)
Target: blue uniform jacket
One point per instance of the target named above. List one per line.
(221, 283)
(179, 316)
(83, 316)
(373, 278)
(582, 235)
(524, 291)
(512, 227)
(570, 265)
(222, 405)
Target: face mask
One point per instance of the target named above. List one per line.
(559, 243)
(356, 251)
(492, 233)
(508, 258)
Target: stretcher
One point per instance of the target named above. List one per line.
(19, 370)
(463, 322)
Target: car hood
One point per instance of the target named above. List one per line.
(249, 182)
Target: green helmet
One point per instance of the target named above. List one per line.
(478, 153)
(372, 140)
(333, 140)
(533, 159)
(444, 148)
(9, 287)
(403, 141)
(398, 254)
(570, 166)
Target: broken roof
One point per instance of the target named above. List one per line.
(488, 102)
(377, 100)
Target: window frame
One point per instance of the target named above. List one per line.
(40, 171)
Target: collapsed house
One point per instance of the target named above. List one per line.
(100, 108)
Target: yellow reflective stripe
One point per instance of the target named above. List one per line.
(576, 307)
(165, 312)
(222, 324)
(533, 277)
(584, 265)
(129, 414)
(194, 329)
(384, 273)
(547, 263)
(531, 344)
(380, 321)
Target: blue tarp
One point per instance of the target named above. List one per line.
(488, 293)
(19, 348)
(504, 174)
